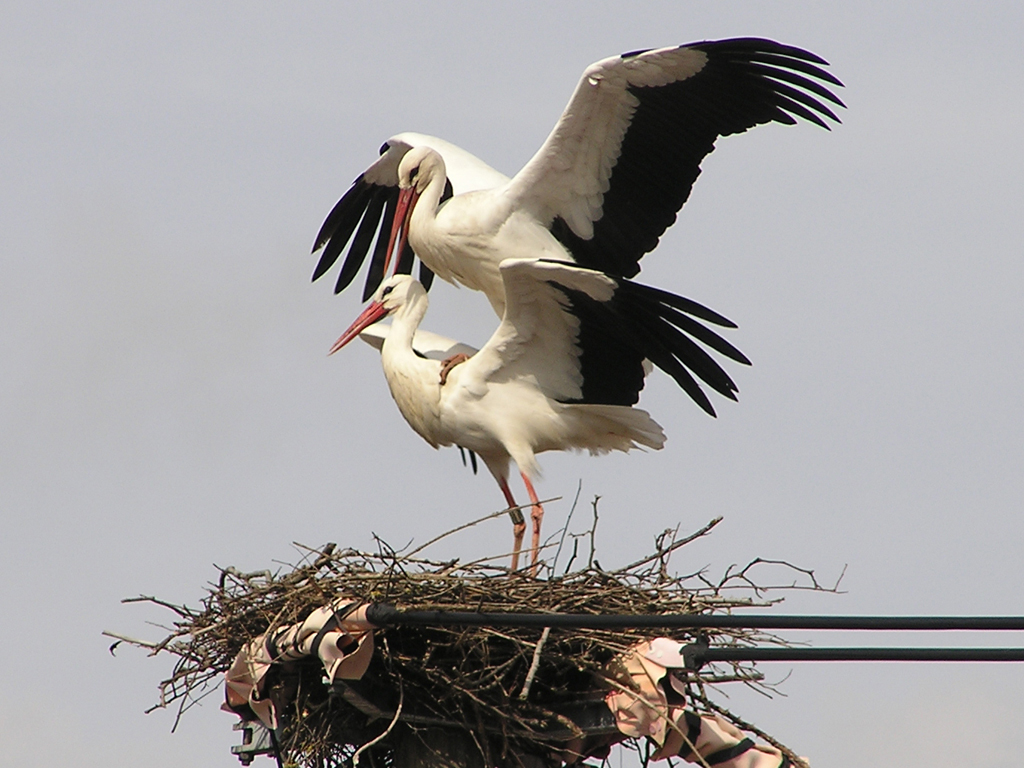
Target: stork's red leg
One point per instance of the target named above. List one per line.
(518, 523)
(537, 513)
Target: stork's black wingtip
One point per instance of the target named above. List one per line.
(320, 271)
(634, 54)
(704, 403)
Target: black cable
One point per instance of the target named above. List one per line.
(702, 654)
(382, 614)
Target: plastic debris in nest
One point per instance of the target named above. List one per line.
(645, 694)
(518, 692)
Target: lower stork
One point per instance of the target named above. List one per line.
(562, 371)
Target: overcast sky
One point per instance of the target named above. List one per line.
(166, 402)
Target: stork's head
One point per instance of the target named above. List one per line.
(395, 293)
(419, 166)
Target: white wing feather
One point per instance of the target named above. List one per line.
(466, 171)
(432, 346)
(537, 337)
(570, 173)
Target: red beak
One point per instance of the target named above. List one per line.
(403, 212)
(369, 316)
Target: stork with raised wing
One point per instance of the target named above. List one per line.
(602, 189)
(562, 371)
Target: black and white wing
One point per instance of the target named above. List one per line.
(584, 336)
(620, 163)
(368, 210)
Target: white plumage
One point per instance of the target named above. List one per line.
(562, 371)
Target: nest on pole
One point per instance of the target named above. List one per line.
(508, 688)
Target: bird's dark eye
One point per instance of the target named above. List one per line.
(414, 173)
(386, 291)
(384, 147)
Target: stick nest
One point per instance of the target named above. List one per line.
(476, 679)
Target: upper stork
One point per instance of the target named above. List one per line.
(601, 190)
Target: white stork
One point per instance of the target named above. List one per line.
(603, 187)
(562, 371)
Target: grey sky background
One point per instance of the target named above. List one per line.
(166, 402)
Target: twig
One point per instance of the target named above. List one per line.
(181, 610)
(572, 558)
(672, 547)
(470, 524)
(502, 556)
(593, 532)
(378, 739)
(565, 528)
(534, 664)
(266, 575)
(129, 640)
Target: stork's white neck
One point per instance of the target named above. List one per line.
(433, 175)
(404, 322)
(414, 382)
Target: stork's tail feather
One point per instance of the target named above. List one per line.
(618, 428)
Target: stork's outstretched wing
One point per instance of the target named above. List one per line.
(584, 336)
(370, 204)
(620, 163)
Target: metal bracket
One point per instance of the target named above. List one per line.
(255, 741)
(695, 654)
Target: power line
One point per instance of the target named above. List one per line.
(382, 614)
(699, 654)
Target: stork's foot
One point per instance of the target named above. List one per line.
(448, 363)
(537, 515)
(518, 532)
(518, 524)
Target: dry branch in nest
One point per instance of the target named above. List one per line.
(508, 688)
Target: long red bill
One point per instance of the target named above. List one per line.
(403, 213)
(368, 317)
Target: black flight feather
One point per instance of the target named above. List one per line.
(639, 322)
(745, 82)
